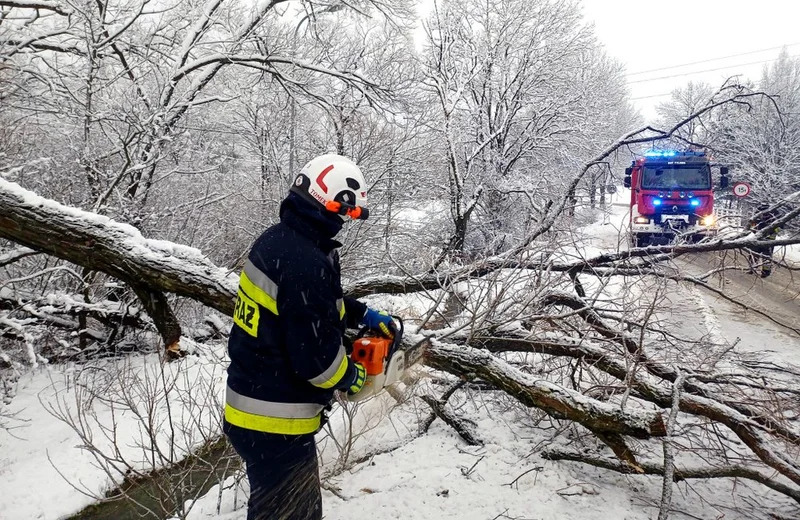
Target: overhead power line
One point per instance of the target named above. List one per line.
(706, 70)
(653, 96)
(711, 59)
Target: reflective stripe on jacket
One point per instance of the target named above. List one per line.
(266, 416)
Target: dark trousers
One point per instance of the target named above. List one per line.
(761, 255)
(283, 474)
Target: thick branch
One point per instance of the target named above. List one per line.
(606, 264)
(649, 468)
(37, 4)
(101, 244)
(555, 400)
(660, 370)
(461, 426)
(752, 430)
(157, 306)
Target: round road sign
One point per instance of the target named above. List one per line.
(741, 189)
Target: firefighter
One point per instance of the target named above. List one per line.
(762, 219)
(287, 346)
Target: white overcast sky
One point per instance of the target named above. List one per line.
(647, 35)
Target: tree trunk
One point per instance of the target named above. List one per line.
(557, 401)
(157, 306)
(99, 243)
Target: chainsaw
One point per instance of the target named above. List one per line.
(383, 358)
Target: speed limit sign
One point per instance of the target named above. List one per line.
(741, 189)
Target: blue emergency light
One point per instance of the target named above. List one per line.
(672, 153)
(695, 202)
(656, 202)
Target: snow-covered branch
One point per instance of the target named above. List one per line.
(9, 257)
(99, 243)
(758, 430)
(352, 77)
(553, 399)
(680, 473)
(37, 4)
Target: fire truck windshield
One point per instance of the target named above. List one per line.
(676, 176)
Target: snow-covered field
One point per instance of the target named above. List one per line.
(439, 476)
(44, 471)
(431, 476)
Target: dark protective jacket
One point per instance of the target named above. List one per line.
(765, 221)
(286, 345)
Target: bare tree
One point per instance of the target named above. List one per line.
(761, 139)
(518, 79)
(684, 102)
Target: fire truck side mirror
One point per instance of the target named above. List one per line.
(723, 178)
(627, 180)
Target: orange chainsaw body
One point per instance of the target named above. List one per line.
(372, 351)
(382, 358)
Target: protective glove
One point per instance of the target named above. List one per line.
(379, 321)
(360, 377)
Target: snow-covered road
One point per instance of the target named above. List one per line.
(773, 331)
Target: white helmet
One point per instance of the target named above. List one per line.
(336, 183)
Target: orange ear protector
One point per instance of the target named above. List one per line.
(342, 208)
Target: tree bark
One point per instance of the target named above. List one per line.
(649, 468)
(101, 244)
(462, 426)
(557, 401)
(167, 324)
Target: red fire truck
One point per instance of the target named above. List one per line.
(671, 197)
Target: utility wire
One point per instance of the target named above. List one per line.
(711, 59)
(653, 96)
(706, 70)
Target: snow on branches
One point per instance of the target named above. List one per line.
(97, 242)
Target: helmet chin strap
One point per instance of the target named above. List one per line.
(342, 208)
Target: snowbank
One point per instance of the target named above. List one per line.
(46, 470)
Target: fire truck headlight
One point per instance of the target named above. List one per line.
(708, 220)
(641, 220)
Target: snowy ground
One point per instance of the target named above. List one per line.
(439, 476)
(433, 476)
(44, 473)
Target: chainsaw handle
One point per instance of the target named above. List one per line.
(363, 330)
(398, 337)
(401, 327)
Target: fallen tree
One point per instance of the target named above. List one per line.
(149, 267)
(567, 341)
(154, 267)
